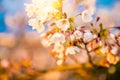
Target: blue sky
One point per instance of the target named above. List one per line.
(106, 3)
(99, 3)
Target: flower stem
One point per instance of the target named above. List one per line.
(89, 56)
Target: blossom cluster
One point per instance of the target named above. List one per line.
(40, 12)
(66, 38)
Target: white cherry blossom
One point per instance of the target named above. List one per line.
(78, 34)
(36, 24)
(57, 38)
(72, 37)
(30, 9)
(42, 9)
(72, 50)
(63, 24)
(87, 16)
(87, 36)
(59, 48)
(114, 50)
(46, 13)
(104, 50)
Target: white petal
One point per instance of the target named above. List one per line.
(70, 50)
(36, 24)
(77, 34)
(87, 16)
(57, 37)
(58, 48)
(87, 19)
(88, 36)
(63, 24)
(72, 37)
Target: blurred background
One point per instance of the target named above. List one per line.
(24, 50)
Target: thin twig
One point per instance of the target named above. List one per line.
(88, 54)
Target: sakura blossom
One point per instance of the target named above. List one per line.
(87, 16)
(36, 24)
(58, 48)
(72, 37)
(58, 38)
(67, 37)
(77, 34)
(63, 24)
(72, 50)
(87, 36)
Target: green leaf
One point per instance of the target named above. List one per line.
(103, 33)
(95, 31)
(67, 44)
(58, 15)
(71, 20)
(101, 26)
(71, 28)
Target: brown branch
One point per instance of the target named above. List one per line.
(88, 54)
